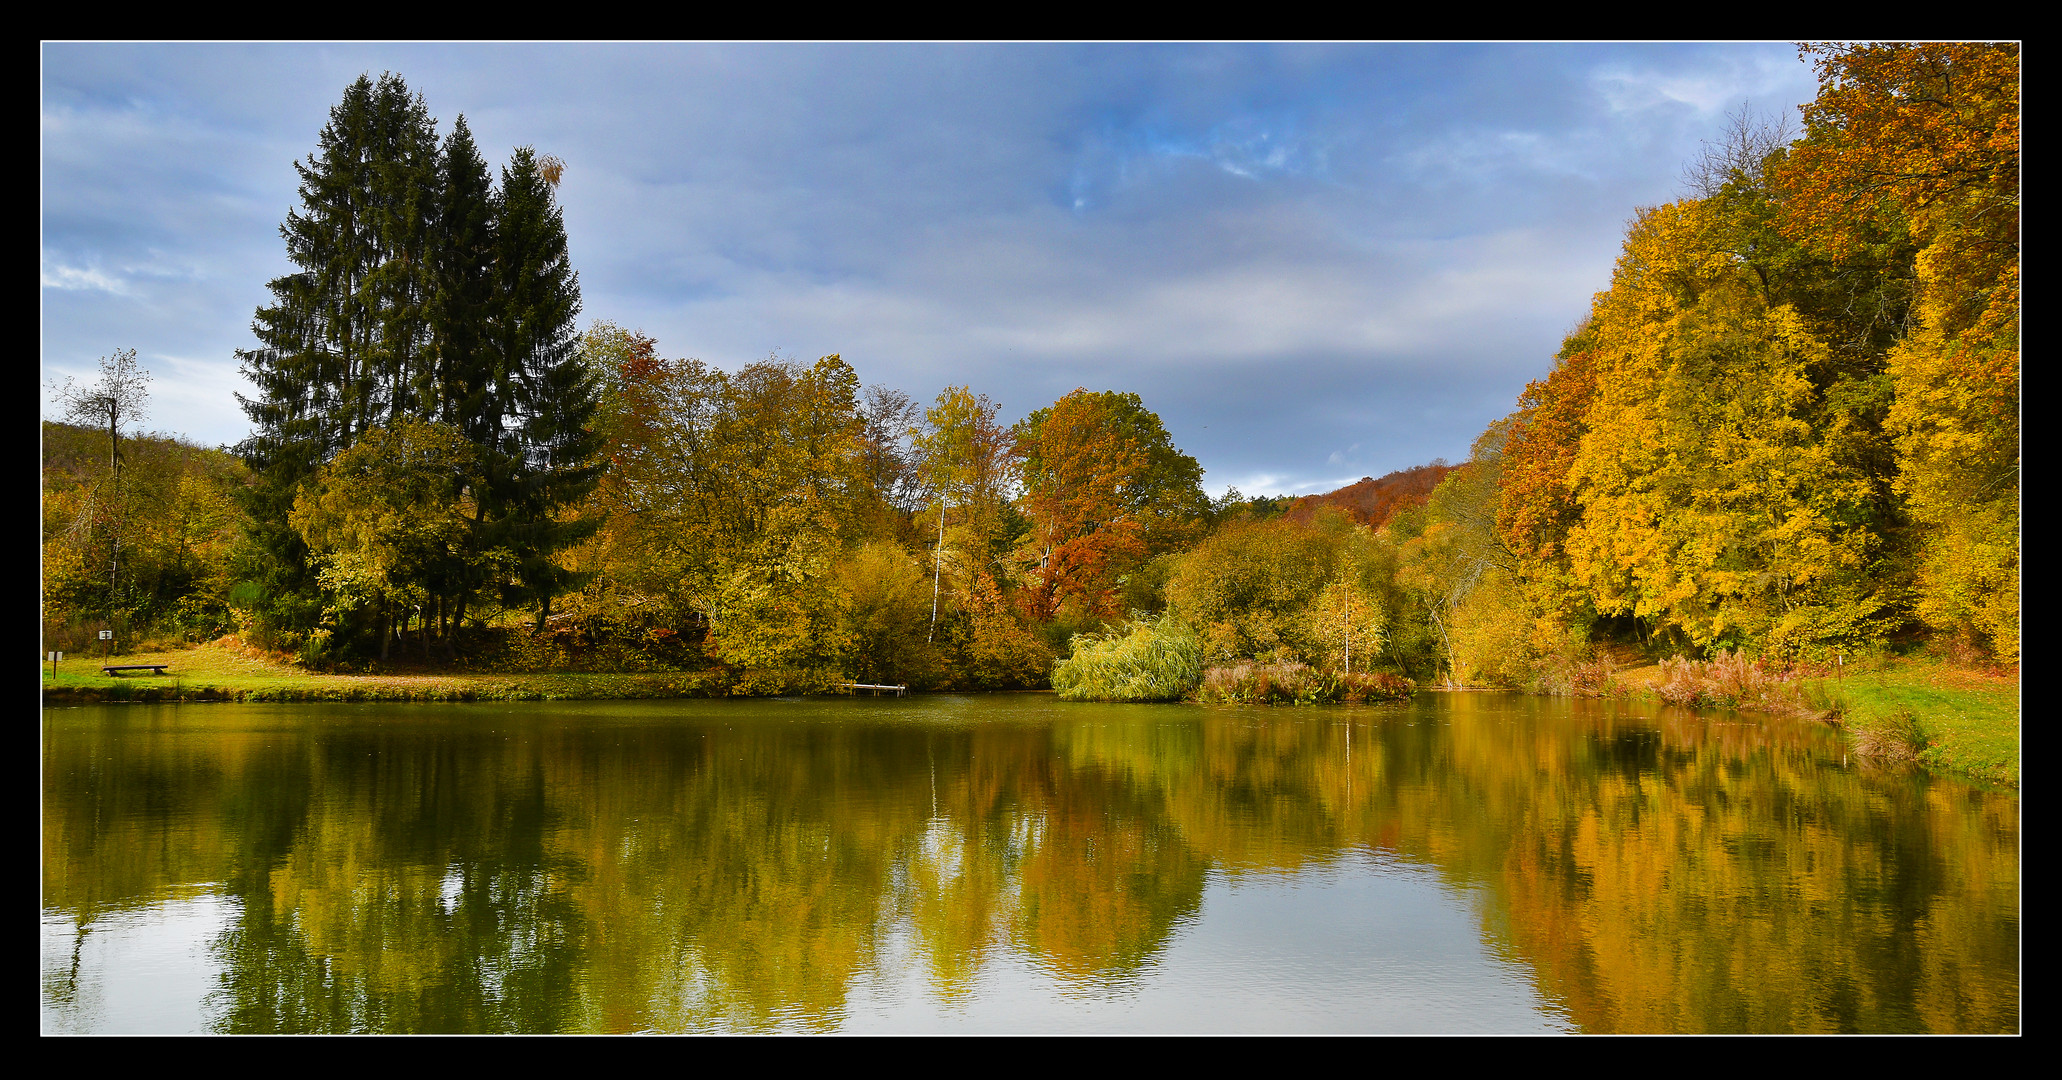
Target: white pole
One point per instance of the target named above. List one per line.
(937, 567)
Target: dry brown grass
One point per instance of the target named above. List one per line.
(1730, 680)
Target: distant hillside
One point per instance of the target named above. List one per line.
(1372, 501)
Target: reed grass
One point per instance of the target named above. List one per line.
(1729, 680)
(1892, 737)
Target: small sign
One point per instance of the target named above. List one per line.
(107, 635)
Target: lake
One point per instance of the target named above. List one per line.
(1003, 863)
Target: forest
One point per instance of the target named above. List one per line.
(1788, 429)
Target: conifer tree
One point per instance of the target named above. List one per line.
(544, 454)
(421, 293)
(462, 298)
(344, 332)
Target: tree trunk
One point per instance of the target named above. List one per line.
(937, 566)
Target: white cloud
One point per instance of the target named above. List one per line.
(1709, 84)
(71, 278)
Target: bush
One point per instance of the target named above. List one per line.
(1290, 683)
(1156, 660)
(1728, 680)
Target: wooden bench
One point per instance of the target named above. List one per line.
(156, 668)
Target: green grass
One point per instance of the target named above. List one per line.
(1968, 720)
(221, 671)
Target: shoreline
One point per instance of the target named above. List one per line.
(1946, 718)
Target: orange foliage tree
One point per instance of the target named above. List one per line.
(1105, 488)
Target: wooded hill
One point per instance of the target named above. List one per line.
(1372, 502)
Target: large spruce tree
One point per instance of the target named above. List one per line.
(420, 293)
(345, 328)
(543, 449)
(462, 299)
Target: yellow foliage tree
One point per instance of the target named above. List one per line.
(1928, 136)
(1709, 503)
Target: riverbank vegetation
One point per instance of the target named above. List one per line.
(1784, 439)
(1940, 715)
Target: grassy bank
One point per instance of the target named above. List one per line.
(1943, 716)
(221, 671)
(1946, 717)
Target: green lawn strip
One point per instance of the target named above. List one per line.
(1970, 724)
(213, 673)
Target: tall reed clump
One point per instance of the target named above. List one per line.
(1156, 660)
(1890, 738)
(1728, 680)
(1291, 683)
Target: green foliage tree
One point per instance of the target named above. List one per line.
(389, 522)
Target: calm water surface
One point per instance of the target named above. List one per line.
(1009, 863)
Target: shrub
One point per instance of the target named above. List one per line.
(1289, 683)
(1156, 660)
(1728, 680)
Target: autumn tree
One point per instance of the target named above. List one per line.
(1717, 496)
(891, 488)
(965, 463)
(173, 521)
(115, 402)
(1925, 139)
(1105, 488)
(728, 495)
(390, 523)
(885, 606)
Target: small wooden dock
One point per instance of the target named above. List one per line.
(898, 691)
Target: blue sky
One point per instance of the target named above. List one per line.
(1316, 263)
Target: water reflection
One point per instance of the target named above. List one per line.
(1012, 862)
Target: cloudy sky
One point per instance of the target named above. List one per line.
(1316, 263)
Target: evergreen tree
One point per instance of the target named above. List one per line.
(420, 293)
(543, 451)
(346, 330)
(462, 300)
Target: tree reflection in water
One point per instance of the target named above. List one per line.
(736, 865)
